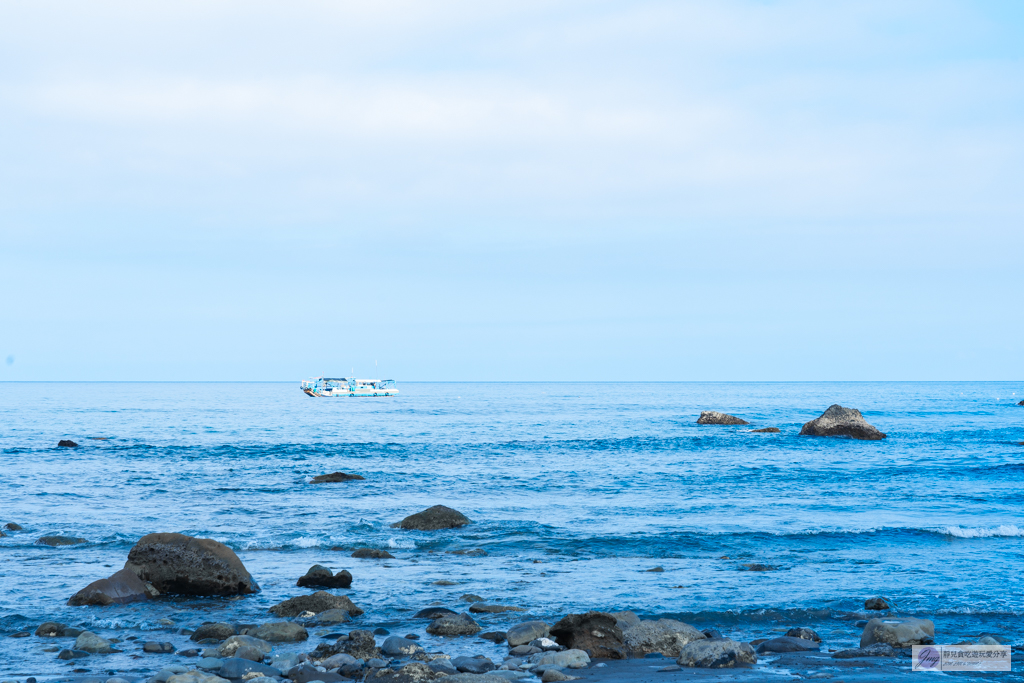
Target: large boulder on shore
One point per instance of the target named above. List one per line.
(120, 588)
(898, 632)
(318, 602)
(840, 421)
(434, 518)
(320, 576)
(596, 633)
(666, 636)
(176, 563)
(716, 653)
(713, 417)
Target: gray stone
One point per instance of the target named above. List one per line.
(523, 633)
(335, 478)
(787, 644)
(209, 664)
(469, 597)
(176, 563)
(331, 616)
(318, 602)
(90, 642)
(304, 673)
(433, 613)
(567, 659)
(236, 667)
(876, 650)
(50, 629)
(453, 625)
(120, 588)
(473, 665)
(593, 632)
(805, 633)
(215, 631)
(713, 417)
(320, 576)
(372, 554)
(158, 648)
(766, 430)
(484, 608)
(253, 654)
(898, 632)
(233, 643)
(840, 421)
(282, 632)
(554, 675)
(333, 662)
(359, 644)
(716, 653)
(877, 604)
(57, 541)
(71, 654)
(524, 650)
(196, 677)
(493, 636)
(376, 663)
(395, 646)
(665, 636)
(413, 672)
(433, 519)
(625, 619)
(509, 675)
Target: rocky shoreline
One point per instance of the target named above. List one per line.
(595, 645)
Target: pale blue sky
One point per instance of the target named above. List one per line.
(512, 190)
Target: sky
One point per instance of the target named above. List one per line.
(722, 190)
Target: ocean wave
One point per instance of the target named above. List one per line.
(1006, 530)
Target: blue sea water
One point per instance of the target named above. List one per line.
(575, 490)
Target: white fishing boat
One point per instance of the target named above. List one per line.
(321, 387)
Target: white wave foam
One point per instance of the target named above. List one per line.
(1001, 530)
(404, 544)
(306, 542)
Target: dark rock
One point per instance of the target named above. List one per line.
(188, 653)
(712, 633)
(493, 636)
(473, 665)
(318, 602)
(713, 417)
(304, 673)
(434, 518)
(523, 633)
(469, 552)
(253, 654)
(66, 443)
(55, 541)
(50, 629)
(360, 644)
(787, 644)
(876, 650)
(121, 588)
(758, 567)
(433, 613)
(236, 667)
(331, 617)
(1021, 403)
(715, 653)
(213, 631)
(321, 576)
(766, 430)
(71, 632)
(11, 526)
(20, 634)
(176, 563)
(594, 632)
(413, 672)
(905, 632)
(334, 478)
(484, 608)
(454, 625)
(158, 648)
(372, 554)
(72, 654)
(470, 597)
(805, 633)
(411, 636)
(876, 604)
(281, 632)
(380, 631)
(524, 651)
(400, 647)
(840, 421)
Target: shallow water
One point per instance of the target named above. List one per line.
(575, 490)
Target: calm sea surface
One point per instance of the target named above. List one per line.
(575, 490)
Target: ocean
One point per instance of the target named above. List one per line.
(575, 490)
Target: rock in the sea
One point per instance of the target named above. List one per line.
(713, 417)
(766, 430)
(318, 602)
(876, 604)
(556, 676)
(594, 632)
(395, 646)
(493, 636)
(230, 646)
(56, 541)
(331, 616)
(88, 641)
(805, 633)
(454, 625)
(484, 608)
(66, 443)
(176, 563)
(236, 667)
(320, 576)
(372, 554)
(523, 633)
(758, 567)
(11, 526)
(716, 653)
(470, 597)
(359, 644)
(566, 659)
(213, 631)
(413, 672)
(72, 654)
(155, 648)
(306, 673)
(876, 650)
(840, 421)
(122, 587)
(473, 665)
(50, 629)
(433, 518)
(196, 677)
(433, 613)
(281, 632)
(334, 478)
(1021, 403)
(666, 636)
(787, 644)
(898, 632)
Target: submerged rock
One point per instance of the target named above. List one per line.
(50, 629)
(11, 526)
(120, 588)
(898, 632)
(787, 644)
(523, 633)
(372, 554)
(594, 632)
(66, 443)
(319, 575)
(155, 648)
(281, 632)
(454, 625)
(335, 478)
(876, 650)
(433, 519)
(57, 541)
(713, 417)
(176, 563)
(493, 636)
(665, 636)
(716, 653)
(213, 631)
(766, 430)
(484, 608)
(318, 602)
(840, 421)
(88, 641)
(433, 613)
(331, 616)
(876, 604)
